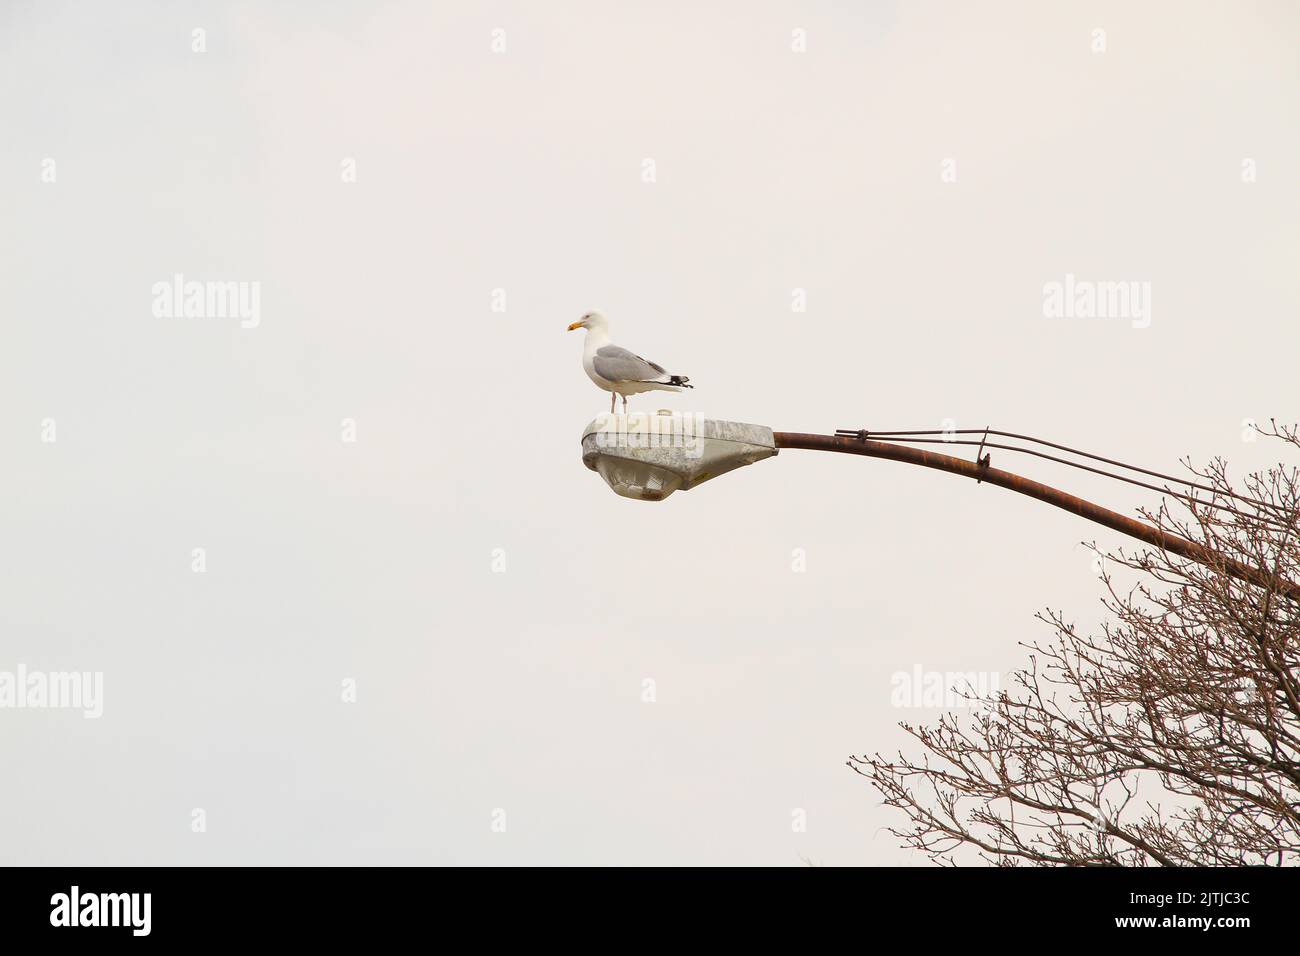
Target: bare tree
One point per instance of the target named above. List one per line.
(1171, 738)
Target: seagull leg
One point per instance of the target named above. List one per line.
(624, 404)
(613, 397)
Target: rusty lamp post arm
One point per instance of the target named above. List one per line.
(1053, 496)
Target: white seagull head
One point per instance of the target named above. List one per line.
(592, 320)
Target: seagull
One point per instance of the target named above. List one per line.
(617, 370)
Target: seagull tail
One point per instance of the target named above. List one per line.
(680, 381)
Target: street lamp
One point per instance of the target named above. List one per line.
(649, 456)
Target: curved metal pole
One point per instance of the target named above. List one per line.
(1053, 496)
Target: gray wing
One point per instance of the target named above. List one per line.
(616, 364)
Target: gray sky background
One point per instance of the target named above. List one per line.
(522, 171)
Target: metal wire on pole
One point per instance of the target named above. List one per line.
(849, 442)
(916, 436)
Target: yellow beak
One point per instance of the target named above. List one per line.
(575, 325)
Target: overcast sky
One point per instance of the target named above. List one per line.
(921, 171)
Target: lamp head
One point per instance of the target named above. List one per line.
(649, 456)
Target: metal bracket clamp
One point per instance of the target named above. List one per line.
(982, 462)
